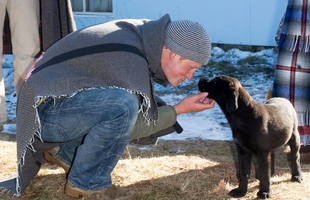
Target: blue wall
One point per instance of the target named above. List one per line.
(245, 22)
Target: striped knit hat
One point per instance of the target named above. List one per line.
(188, 39)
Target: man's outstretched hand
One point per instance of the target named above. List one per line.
(195, 103)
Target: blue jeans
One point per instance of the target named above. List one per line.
(93, 127)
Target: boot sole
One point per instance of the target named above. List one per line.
(73, 193)
(49, 158)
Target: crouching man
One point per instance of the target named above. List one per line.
(92, 92)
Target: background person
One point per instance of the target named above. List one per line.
(29, 28)
(292, 74)
(24, 28)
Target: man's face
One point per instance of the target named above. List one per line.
(177, 71)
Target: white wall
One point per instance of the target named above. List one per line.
(246, 22)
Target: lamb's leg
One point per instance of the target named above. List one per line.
(294, 143)
(264, 175)
(272, 158)
(272, 163)
(245, 160)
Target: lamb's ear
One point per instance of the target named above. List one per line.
(232, 101)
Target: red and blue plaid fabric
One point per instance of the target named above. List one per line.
(295, 29)
(292, 74)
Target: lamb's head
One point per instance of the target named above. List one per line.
(222, 89)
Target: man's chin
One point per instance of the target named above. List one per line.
(175, 84)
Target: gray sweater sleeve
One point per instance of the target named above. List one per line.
(166, 118)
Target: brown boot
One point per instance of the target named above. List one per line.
(113, 192)
(50, 156)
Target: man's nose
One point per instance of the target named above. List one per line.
(190, 74)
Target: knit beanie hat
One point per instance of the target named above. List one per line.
(188, 39)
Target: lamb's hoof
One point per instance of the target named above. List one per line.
(264, 195)
(236, 193)
(298, 179)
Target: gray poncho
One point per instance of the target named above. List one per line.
(77, 63)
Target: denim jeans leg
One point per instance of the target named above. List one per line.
(67, 150)
(104, 118)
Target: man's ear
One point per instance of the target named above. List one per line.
(232, 101)
(172, 55)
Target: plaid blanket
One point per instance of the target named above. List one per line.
(292, 73)
(295, 28)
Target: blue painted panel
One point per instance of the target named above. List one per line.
(247, 22)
